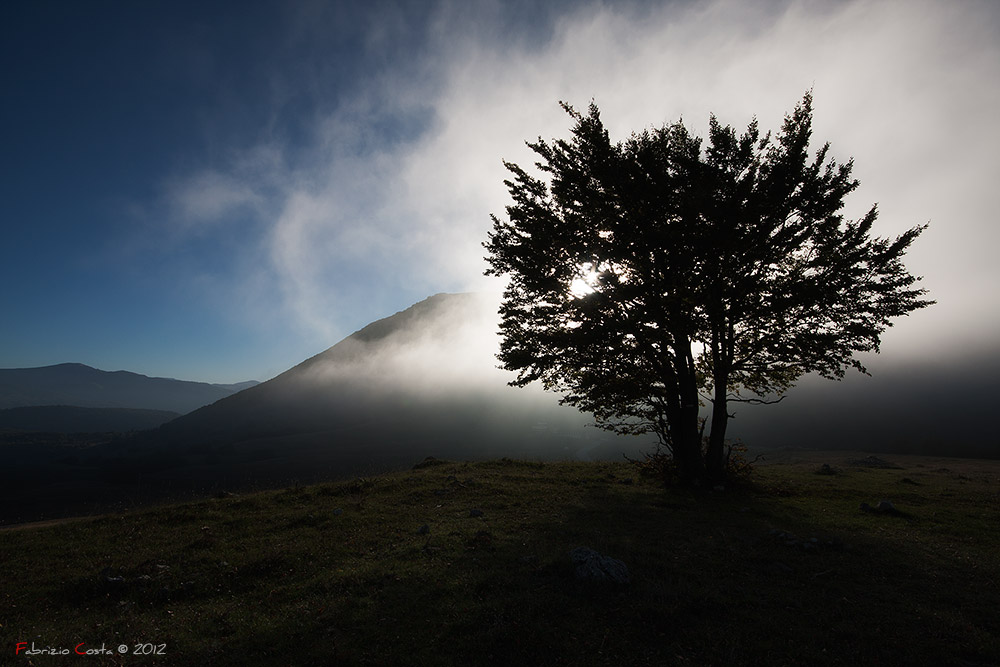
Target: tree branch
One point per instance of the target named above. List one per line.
(755, 401)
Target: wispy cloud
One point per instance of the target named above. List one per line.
(210, 197)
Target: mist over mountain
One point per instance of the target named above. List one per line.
(424, 382)
(421, 382)
(82, 386)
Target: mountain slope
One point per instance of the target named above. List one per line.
(82, 386)
(421, 382)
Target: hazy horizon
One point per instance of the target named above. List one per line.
(440, 355)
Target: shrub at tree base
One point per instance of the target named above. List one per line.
(660, 464)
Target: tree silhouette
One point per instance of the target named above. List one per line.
(649, 274)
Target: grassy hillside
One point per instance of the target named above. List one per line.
(468, 563)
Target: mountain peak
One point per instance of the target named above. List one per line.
(426, 309)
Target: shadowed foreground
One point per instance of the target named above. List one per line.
(468, 563)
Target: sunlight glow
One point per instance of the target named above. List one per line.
(585, 282)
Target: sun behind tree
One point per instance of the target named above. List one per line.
(648, 274)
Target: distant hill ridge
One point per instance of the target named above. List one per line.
(74, 384)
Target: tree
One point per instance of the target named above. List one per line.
(647, 275)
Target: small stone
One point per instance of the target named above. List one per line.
(883, 507)
(338, 511)
(423, 530)
(592, 566)
(475, 513)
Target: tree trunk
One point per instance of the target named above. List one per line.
(715, 460)
(687, 443)
(687, 447)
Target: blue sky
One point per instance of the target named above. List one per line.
(216, 191)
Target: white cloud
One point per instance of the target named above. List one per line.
(906, 88)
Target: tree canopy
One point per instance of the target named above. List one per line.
(652, 274)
